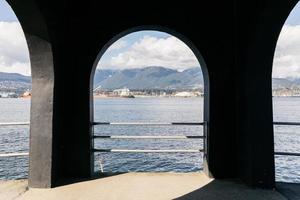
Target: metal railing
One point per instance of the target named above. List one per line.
(146, 137)
(4, 155)
(15, 124)
(286, 124)
(149, 124)
(138, 137)
(168, 137)
(149, 150)
(172, 137)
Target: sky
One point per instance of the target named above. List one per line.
(145, 48)
(148, 48)
(286, 62)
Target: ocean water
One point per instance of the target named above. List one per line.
(15, 139)
(287, 138)
(149, 110)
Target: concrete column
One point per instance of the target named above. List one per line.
(41, 115)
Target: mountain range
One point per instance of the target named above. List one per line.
(13, 82)
(152, 77)
(281, 83)
(15, 77)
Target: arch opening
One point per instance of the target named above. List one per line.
(15, 93)
(154, 68)
(286, 100)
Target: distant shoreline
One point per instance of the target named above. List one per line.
(287, 96)
(107, 97)
(141, 96)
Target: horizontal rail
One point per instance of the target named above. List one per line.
(286, 154)
(148, 151)
(152, 124)
(15, 124)
(4, 155)
(287, 123)
(147, 137)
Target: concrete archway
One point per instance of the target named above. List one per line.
(189, 44)
(236, 39)
(285, 123)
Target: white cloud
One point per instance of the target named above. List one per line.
(152, 51)
(119, 44)
(148, 51)
(14, 57)
(287, 55)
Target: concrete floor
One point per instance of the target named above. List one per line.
(289, 190)
(10, 190)
(141, 186)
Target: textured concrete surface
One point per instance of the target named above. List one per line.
(10, 190)
(141, 186)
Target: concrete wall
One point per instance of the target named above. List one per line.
(236, 40)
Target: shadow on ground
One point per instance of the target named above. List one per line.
(64, 182)
(231, 190)
(149, 186)
(289, 190)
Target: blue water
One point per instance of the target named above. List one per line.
(287, 138)
(149, 110)
(15, 139)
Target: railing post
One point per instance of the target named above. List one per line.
(92, 153)
(206, 149)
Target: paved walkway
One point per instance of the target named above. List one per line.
(141, 186)
(10, 190)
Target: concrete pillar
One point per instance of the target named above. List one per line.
(41, 115)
